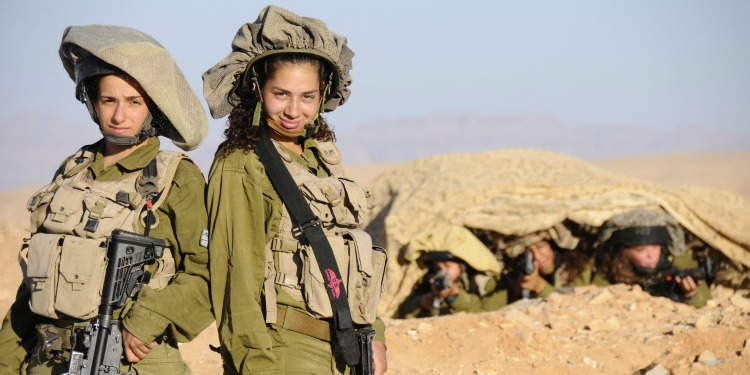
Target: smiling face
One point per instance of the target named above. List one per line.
(291, 97)
(544, 256)
(120, 106)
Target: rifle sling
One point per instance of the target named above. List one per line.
(311, 228)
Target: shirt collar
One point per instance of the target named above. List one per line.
(137, 160)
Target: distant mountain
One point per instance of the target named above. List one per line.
(34, 144)
(409, 139)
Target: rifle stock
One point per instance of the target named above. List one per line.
(127, 255)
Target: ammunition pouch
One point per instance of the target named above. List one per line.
(65, 274)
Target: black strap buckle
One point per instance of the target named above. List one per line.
(310, 224)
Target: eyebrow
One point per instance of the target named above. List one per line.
(287, 91)
(127, 97)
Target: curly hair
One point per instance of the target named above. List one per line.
(575, 262)
(617, 268)
(240, 134)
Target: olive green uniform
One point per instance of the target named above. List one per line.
(681, 262)
(244, 214)
(498, 294)
(468, 300)
(178, 312)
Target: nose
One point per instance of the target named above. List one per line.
(292, 109)
(119, 115)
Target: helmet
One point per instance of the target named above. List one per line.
(86, 71)
(559, 234)
(276, 31)
(96, 50)
(642, 226)
(435, 256)
(452, 243)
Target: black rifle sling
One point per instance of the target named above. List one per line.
(345, 340)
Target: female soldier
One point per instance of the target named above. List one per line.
(647, 247)
(272, 301)
(133, 91)
(462, 273)
(548, 261)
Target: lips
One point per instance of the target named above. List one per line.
(290, 125)
(118, 130)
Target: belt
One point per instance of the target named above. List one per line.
(300, 322)
(54, 338)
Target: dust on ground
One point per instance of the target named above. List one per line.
(614, 330)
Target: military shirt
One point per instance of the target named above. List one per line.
(244, 213)
(182, 308)
(680, 262)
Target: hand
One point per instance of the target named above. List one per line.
(426, 301)
(688, 285)
(379, 360)
(135, 349)
(445, 293)
(533, 282)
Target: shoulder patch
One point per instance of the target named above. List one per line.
(329, 153)
(204, 238)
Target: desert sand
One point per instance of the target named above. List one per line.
(614, 330)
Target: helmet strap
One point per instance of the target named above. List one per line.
(314, 124)
(145, 133)
(84, 97)
(259, 95)
(278, 129)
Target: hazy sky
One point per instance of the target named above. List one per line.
(664, 64)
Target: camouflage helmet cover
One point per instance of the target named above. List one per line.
(558, 233)
(459, 242)
(277, 30)
(650, 221)
(148, 62)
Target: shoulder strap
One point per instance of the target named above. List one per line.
(345, 340)
(152, 185)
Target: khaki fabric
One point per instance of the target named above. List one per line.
(460, 242)
(518, 192)
(277, 30)
(144, 59)
(644, 218)
(557, 233)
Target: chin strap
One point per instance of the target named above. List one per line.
(310, 129)
(146, 132)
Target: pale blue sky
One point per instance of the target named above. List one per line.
(661, 64)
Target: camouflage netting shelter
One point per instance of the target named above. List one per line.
(518, 192)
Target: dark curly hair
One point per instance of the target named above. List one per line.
(240, 134)
(613, 263)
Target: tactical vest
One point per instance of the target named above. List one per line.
(341, 205)
(64, 262)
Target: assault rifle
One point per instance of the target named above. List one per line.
(526, 267)
(664, 283)
(440, 282)
(365, 366)
(100, 349)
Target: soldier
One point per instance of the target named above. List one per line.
(462, 273)
(647, 247)
(133, 91)
(280, 208)
(545, 262)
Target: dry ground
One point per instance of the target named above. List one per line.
(615, 330)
